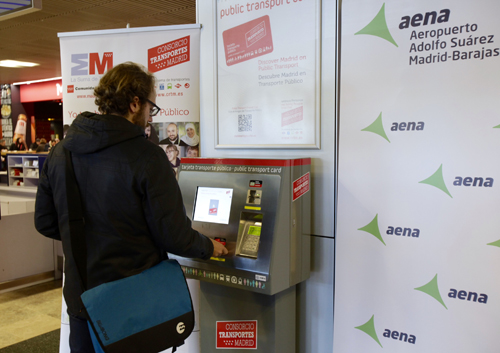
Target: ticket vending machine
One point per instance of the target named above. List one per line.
(260, 209)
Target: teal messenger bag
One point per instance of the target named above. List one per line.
(147, 313)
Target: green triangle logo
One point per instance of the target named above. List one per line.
(495, 243)
(378, 27)
(432, 289)
(373, 229)
(377, 128)
(437, 181)
(369, 329)
(496, 127)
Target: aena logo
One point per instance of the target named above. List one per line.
(378, 128)
(378, 26)
(428, 19)
(86, 64)
(369, 328)
(374, 229)
(432, 289)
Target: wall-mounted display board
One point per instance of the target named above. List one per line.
(268, 74)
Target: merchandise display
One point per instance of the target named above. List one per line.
(23, 169)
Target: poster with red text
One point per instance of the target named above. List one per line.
(171, 53)
(267, 62)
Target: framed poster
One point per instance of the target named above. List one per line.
(268, 69)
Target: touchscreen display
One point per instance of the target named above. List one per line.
(212, 205)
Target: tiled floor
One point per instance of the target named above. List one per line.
(30, 312)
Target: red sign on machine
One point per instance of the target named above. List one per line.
(236, 334)
(300, 186)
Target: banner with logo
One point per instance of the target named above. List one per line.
(170, 52)
(268, 69)
(417, 242)
(6, 130)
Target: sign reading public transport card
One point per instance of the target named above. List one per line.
(268, 84)
(247, 41)
(236, 335)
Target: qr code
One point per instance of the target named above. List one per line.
(244, 122)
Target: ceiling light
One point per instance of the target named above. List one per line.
(15, 63)
(37, 81)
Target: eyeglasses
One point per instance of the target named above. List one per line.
(154, 110)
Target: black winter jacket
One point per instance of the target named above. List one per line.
(133, 207)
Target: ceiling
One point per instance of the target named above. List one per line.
(33, 37)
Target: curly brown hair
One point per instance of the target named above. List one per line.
(118, 87)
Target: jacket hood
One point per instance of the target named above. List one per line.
(91, 132)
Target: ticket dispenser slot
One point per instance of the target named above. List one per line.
(249, 232)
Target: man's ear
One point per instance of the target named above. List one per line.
(135, 105)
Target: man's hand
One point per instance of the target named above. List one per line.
(219, 249)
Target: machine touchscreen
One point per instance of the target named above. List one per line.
(212, 205)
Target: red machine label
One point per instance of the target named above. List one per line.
(237, 334)
(300, 186)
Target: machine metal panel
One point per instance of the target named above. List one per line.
(239, 183)
(277, 251)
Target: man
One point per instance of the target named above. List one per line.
(35, 144)
(173, 135)
(41, 147)
(132, 205)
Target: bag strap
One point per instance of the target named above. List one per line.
(76, 220)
